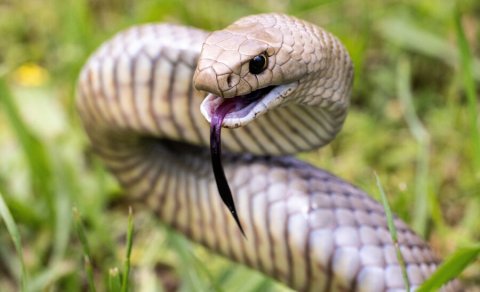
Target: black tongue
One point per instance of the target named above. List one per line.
(216, 153)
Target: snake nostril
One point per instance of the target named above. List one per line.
(232, 80)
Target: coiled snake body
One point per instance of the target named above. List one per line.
(140, 99)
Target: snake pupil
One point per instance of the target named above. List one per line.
(258, 64)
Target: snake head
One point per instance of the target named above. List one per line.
(252, 64)
(260, 63)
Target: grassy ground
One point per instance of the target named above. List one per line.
(414, 121)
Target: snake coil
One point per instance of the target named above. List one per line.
(141, 97)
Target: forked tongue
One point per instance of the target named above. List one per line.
(216, 152)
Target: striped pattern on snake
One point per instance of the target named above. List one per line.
(305, 227)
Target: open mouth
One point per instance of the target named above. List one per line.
(240, 110)
(240, 106)
(235, 112)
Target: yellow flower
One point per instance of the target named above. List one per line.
(30, 74)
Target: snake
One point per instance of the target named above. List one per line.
(155, 97)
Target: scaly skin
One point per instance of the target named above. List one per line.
(305, 227)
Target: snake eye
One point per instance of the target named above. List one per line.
(258, 64)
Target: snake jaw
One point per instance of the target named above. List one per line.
(246, 108)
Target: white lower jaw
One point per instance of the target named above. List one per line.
(247, 114)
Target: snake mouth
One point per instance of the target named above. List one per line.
(240, 110)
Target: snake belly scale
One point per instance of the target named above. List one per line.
(141, 97)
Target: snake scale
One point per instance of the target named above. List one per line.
(141, 97)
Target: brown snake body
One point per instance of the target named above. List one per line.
(140, 100)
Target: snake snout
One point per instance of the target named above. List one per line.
(206, 80)
(214, 76)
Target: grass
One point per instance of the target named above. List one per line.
(87, 262)
(418, 131)
(466, 69)
(393, 232)
(12, 228)
(128, 254)
(451, 268)
(414, 119)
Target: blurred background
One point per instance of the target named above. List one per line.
(413, 121)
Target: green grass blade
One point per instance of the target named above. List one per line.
(466, 67)
(24, 211)
(451, 268)
(393, 232)
(50, 275)
(126, 272)
(195, 274)
(35, 153)
(467, 76)
(114, 281)
(412, 36)
(63, 218)
(422, 137)
(15, 235)
(86, 249)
